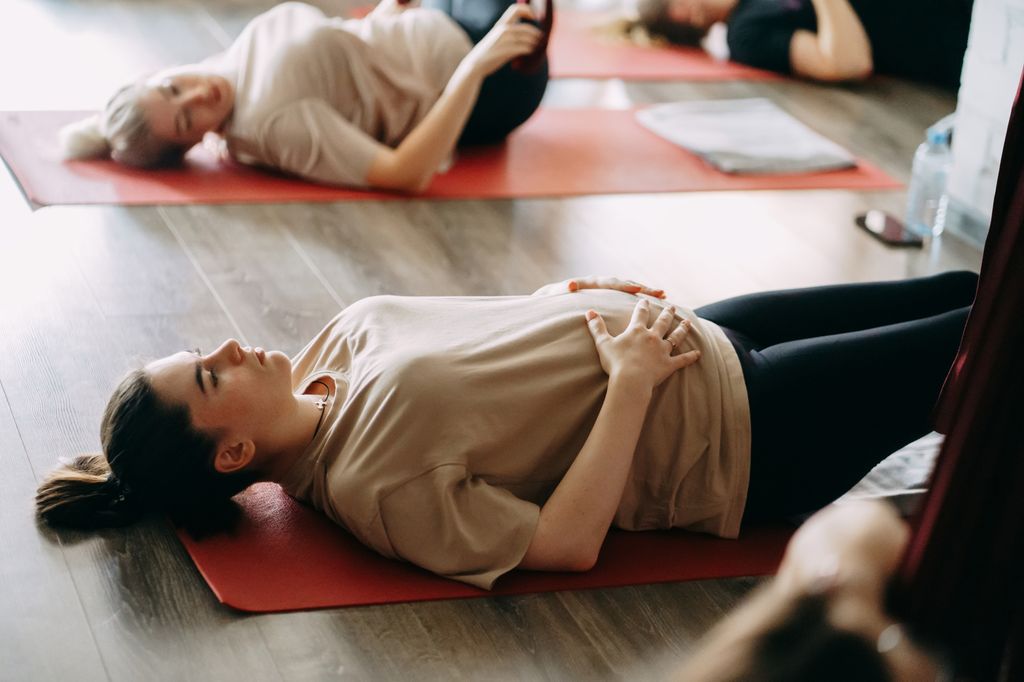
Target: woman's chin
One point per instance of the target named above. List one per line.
(277, 360)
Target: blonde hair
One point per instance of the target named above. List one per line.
(120, 131)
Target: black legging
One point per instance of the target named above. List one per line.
(507, 97)
(838, 378)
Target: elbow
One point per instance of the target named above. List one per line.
(582, 563)
(393, 173)
(553, 553)
(850, 70)
(578, 558)
(408, 184)
(419, 185)
(860, 71)
(569, 562)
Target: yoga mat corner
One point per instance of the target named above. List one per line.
(285, 556)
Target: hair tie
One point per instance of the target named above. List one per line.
(120, 493)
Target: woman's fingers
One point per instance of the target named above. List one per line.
(685, 359)
(595, 323)
(517, 12)
(664, 321)
(677, 335)
(626, 285)
(518, 39)
(524, 34)
(578, 283)
(641, 314)
(638, 288)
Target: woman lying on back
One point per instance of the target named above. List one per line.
(375, 102)
(472, 435)
(827, 40)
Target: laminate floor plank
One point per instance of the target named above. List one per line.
(427, 248)
(275, 299)
(44, 634)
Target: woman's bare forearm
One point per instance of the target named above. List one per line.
(574, 521)
(412, 164)
(576, 518)
(841, 43)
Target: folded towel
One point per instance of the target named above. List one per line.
(745, 136)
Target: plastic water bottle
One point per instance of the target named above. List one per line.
(926, 198)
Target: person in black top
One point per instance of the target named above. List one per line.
(828, 40)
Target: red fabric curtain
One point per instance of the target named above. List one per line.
(961, 578)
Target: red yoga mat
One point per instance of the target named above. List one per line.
(577, 50)
(285, 556)
(558, 152)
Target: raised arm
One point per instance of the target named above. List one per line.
(575, 520)
(839, 51)
(412, 164)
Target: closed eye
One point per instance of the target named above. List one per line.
(199, 371)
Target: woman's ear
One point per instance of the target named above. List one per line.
(234, 456)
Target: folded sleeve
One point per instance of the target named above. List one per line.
(311, 139)
(457, 525)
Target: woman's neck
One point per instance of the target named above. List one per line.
(303, 427)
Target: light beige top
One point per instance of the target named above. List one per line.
(455, 418)
(320, 96)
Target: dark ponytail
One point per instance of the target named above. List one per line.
(83, 493)
(654, 17)
(154, 461)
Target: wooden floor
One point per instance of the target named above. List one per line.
(88, 292)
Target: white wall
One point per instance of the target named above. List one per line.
(992, 71)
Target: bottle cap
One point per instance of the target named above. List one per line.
(937, 136)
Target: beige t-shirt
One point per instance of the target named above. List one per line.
(455, 418)
(320, 96)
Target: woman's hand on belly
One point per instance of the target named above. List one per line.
(591, 282)
(644, 354)
(574, 521)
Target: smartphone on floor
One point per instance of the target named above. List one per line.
(888, 229)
